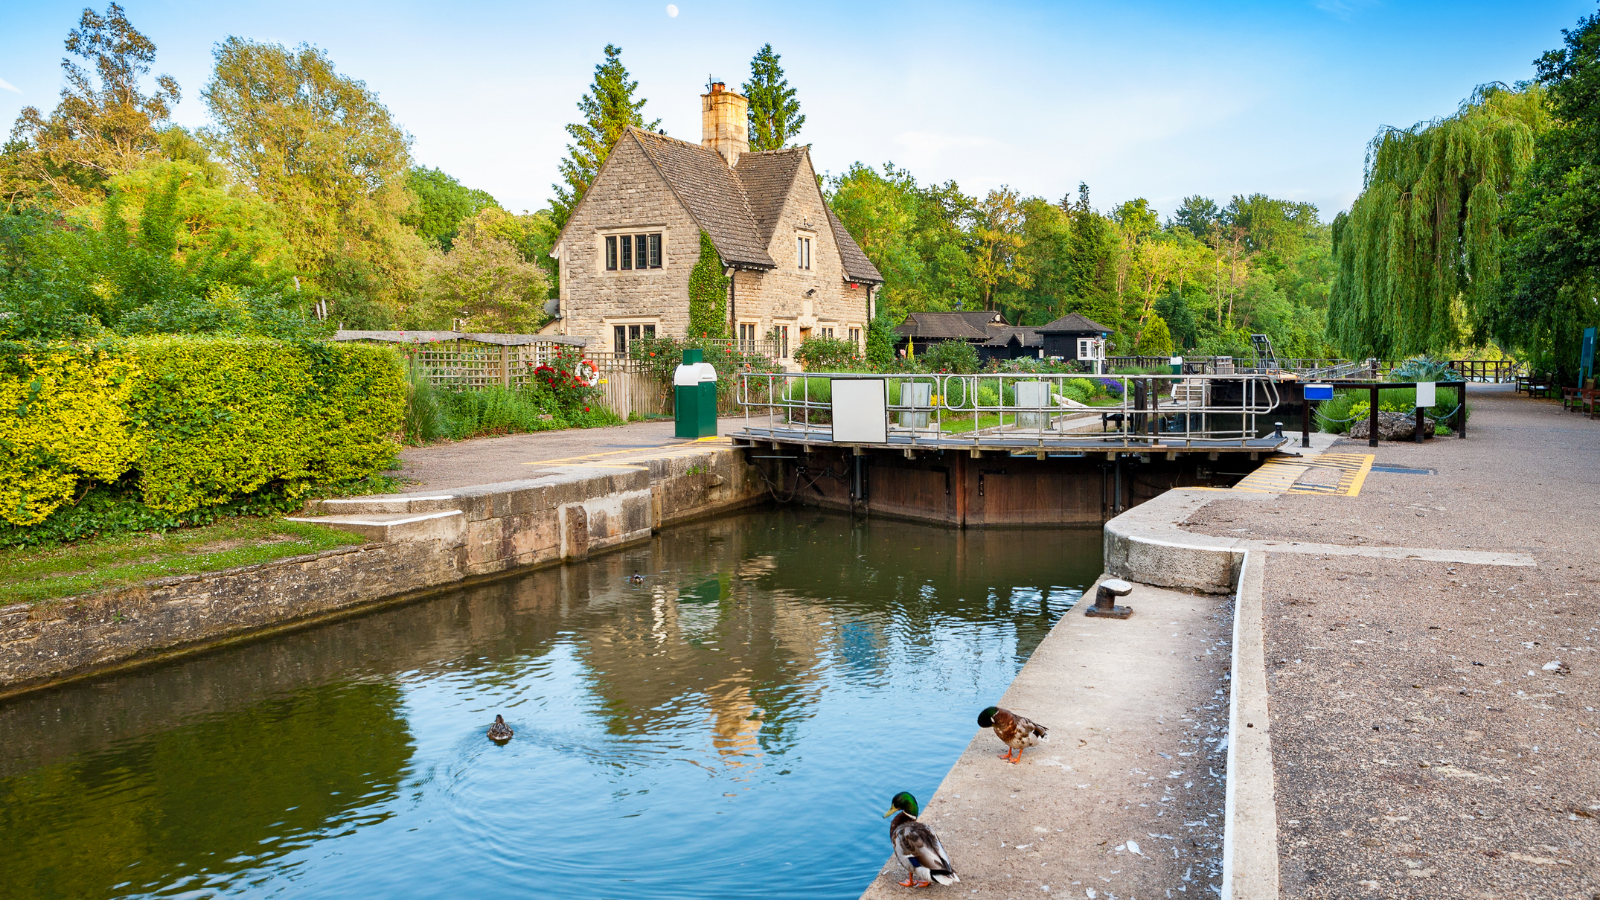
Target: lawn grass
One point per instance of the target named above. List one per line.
(34, 574)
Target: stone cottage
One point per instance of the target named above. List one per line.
(628, 248)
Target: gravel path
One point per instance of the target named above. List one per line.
(1422, 747)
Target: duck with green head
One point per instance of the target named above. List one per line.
(916, 846)
(1016, 731)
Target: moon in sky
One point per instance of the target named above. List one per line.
(672, 11)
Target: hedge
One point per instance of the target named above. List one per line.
(198, 421)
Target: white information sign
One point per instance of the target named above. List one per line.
(1425, 393)
(860, 411)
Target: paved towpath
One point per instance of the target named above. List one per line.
(1434, 724)
(489, 460)
(1126, 797)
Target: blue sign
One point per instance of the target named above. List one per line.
(1586, 365)
(1319, 392)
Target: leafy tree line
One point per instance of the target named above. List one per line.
(1202, 282)
(300, 199)
(1480, 228)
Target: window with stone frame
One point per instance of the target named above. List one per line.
(802, 252)
(622, 334)
(627, 252)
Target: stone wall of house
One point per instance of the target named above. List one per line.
(636, 200)
(778, 297)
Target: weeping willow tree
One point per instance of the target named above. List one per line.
(1418, 254)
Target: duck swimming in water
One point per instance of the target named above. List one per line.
(637, 578)
(500, 732)
(1017, 732)
(916, 846)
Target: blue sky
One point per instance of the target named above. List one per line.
(1155, 100)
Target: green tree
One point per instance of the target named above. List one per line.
(998, 240)
(1091, 263)
(443, 203)
(301, 136)
(1196, 215)
(775, 116)
(1156, 340)
(608, 109)
(485, 283)
(1420, 248)
(103, 125)
(708, 293)
(1552, 260)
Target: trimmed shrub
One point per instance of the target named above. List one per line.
(826, 354)
(950, 356)
(196, 421)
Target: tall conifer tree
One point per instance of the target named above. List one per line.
(608, 109)
(775, 116)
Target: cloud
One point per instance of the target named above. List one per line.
(8, 86)
(672, 11)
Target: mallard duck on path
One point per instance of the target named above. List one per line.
(1016, 731)
(500, 732)
(916, 846)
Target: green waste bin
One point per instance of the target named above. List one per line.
(694, 388)
(1176, 363)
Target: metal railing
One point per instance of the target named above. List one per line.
(1023, 409)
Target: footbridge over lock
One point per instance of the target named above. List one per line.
(1006, 448)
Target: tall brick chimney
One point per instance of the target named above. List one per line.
(725, 122)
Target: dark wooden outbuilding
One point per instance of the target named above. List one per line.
(924, 329)
(1061, 337)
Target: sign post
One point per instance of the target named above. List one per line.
(1310, 394)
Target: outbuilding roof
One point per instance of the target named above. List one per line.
(951, 326)
(1003, 335)
(1072, 323)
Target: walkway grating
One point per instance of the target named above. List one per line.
(1337, 474)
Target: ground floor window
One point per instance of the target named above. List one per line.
(780, 336)
(621, 335)
(827, 333)
(747, 337)
(855, 337)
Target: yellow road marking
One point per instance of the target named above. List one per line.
(1278, 476)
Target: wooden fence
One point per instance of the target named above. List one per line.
(461, 361)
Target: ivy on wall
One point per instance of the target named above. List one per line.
(708, 294)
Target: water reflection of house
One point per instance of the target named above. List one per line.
(743, 657)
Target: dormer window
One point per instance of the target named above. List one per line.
(633, 251)
(803, 252)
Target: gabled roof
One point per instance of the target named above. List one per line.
(1000, 336)
(708, 189)
(739, 207)
(766, 177)
(960, 326)
(857, 267)
(1072, 322)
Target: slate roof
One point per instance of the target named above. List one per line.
(1072, 323)
(739, 207)
(1000, 336)
(857, 267)
(708, 189)
(765, 177)
(960, 326)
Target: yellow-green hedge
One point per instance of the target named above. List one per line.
(200, 420)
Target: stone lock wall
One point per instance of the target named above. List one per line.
(418, 543)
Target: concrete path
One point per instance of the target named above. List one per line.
(1427, 650)
(489, 460)
(1126, 798)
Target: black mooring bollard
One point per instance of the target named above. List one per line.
(1105, 600)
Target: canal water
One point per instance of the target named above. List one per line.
(732, 727)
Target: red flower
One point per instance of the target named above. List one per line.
(586, 409)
